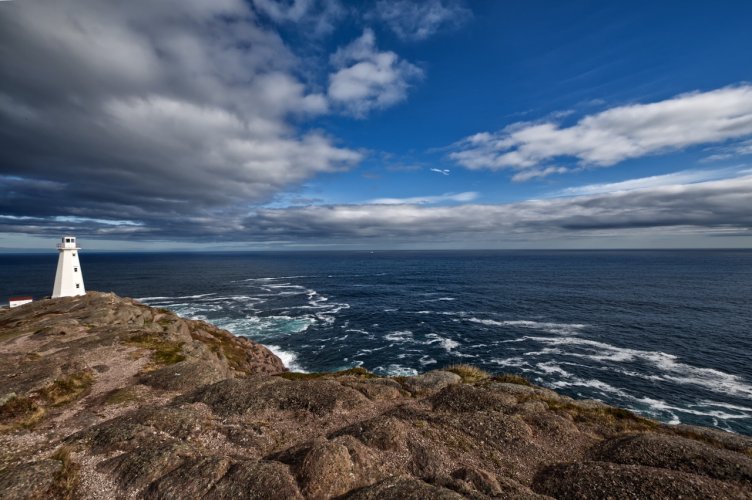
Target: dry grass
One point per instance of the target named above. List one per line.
(19, 412)
(67, 388)
(164, 352)
(617, 419)
(469, 373)
(67, 477)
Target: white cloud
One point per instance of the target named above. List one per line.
(426, 200)
(442, 171)
(654, 181)
(532, 173)
(712, 207)
(614, 135)
(316, 17)
(411, 20)
(366, 78)
(743, 148)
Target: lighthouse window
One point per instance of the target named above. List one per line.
(78, 286)
(75, 269)
(74, 254)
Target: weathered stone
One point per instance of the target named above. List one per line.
(676, 453)
(465, 398)
(184, 376)
(586, 480)
(193, 479)
(403, 488)
(431, 382)
(33, 480)
(262, 480)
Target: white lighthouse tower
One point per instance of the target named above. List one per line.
(69, 281)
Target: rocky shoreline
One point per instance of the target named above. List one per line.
(104, 397)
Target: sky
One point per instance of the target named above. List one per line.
(384, 124)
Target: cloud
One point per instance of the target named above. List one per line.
(609, 137)
(743, 148)
(317, 17)
(171, 112)
(656, 181)
(670, 210)
(426, 200)
(442, 171)
(366, 79)
(411, 20)
(713, 206)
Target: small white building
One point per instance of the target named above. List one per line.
(18, 301)
(69, 280)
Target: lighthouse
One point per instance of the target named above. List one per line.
(69, 281)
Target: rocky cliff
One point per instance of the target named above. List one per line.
(103, 397)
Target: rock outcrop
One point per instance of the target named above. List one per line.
(103, 397)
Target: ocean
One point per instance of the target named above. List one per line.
(667, 334)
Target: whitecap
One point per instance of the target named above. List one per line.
(289, 359)
(394, 370)
(557, 328)
(447, 344)
(671, 369)
(399, 336)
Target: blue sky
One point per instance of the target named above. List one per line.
(383, 124)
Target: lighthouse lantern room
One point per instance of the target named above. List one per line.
(69, 281)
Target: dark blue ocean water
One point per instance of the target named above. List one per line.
(665, 333)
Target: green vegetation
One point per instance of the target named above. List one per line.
(469, 373)
(164, 352)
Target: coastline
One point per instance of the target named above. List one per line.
(104, 396)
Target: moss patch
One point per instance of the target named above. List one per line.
(121, 396)
(469, 373)
(164, 352)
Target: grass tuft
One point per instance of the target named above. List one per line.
(67, 477)
(19, 412)
(469, 373)
(616, 418)
(67, 388)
